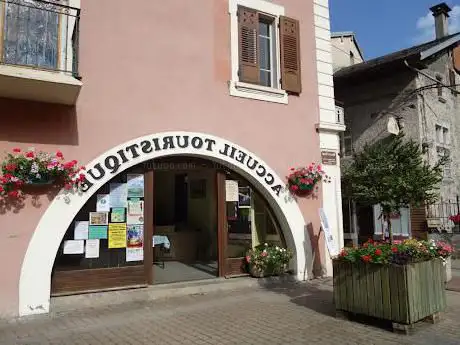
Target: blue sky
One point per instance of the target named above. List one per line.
(385, 26)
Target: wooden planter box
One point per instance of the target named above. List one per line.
(401, 294)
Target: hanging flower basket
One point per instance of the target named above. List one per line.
(303, 181)
(455, 219)
(31, 168)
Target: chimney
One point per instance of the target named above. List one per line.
(440, 14)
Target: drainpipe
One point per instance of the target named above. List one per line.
(429, 77)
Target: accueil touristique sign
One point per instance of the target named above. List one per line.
(112, 163)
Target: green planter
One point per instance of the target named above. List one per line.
(401, 294)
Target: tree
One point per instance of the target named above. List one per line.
(392, 173)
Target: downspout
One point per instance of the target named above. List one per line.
(429, 77)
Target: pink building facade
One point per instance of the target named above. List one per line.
(141, 83)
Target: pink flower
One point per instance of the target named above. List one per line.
(68, 186)
(13, 194)
(16, 150)
(59, 155)
(264, 254)
(30, 154)
(248, 259)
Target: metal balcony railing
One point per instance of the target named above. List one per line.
(39, 34)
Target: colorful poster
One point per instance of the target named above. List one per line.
(103, 203)
(117, 215)
(98, 218)
(231, 190)
(97, 232)
(135, 212)
(117, 235)
(135, 236)
(81, 230)
(118, 195)
(74, 247)
(134, 254)
(135, 185)
(92, 249)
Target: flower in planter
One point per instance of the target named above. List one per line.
(268, 259)
(31, 167)
(303, 180)
(401, 253)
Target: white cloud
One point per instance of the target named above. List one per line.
(425, 25)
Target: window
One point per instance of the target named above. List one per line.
(265, 51)
(31, 32)
(442, 135)
(346, 142)
(453, 82)
(443, 152)
(439, 85)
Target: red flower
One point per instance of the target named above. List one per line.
(16, 150)
(68, 186)
(11, 167)
(378, 252)
(13, 194)
(81, 177)
(343, 253)
(7, 177)
(82, 168)
(19, 183)
(1, 189)
(292, 169)
(366, 258)
(294, 187)
(30, 154)
(59, 154)
(394, 249)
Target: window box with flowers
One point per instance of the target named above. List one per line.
(403, 282)
(268, 260)
(304, 180)
(32, 168)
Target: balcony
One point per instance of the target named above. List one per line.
(39, 51)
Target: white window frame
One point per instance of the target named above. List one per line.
(247, 90)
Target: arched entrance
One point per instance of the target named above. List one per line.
(35, 281)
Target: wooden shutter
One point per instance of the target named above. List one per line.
(290, 55)
(456, 55)
(248, 24)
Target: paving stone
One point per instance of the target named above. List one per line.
(287, 313)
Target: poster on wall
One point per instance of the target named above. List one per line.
(118, 195)
(135, 212)
(244, 197)
(333, 251)
(231, 190)
(97, 232)
(102, 203)
(135, 185)
(92, 249)
(81, 230)
(117, 215)
(117, 235)
(98, 218)
(74, 247)
(135, 242)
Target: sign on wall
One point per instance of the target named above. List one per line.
(331, 246)
(328, 158)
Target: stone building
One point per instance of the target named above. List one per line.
(417, 88)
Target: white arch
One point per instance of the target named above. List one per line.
(35, 279)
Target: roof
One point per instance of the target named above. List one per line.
(348, 34)
(421, 52)
(342, 33)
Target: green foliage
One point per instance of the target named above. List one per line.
(392, 173)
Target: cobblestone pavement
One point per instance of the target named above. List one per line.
(277, 314)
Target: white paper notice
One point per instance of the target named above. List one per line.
(328, 234)
(81, 230)
(92, 249)
(134, 254)
(103, 203)
(231, 190)
(118, 195)
(74, 247)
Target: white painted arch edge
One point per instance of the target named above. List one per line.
(35, 278)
